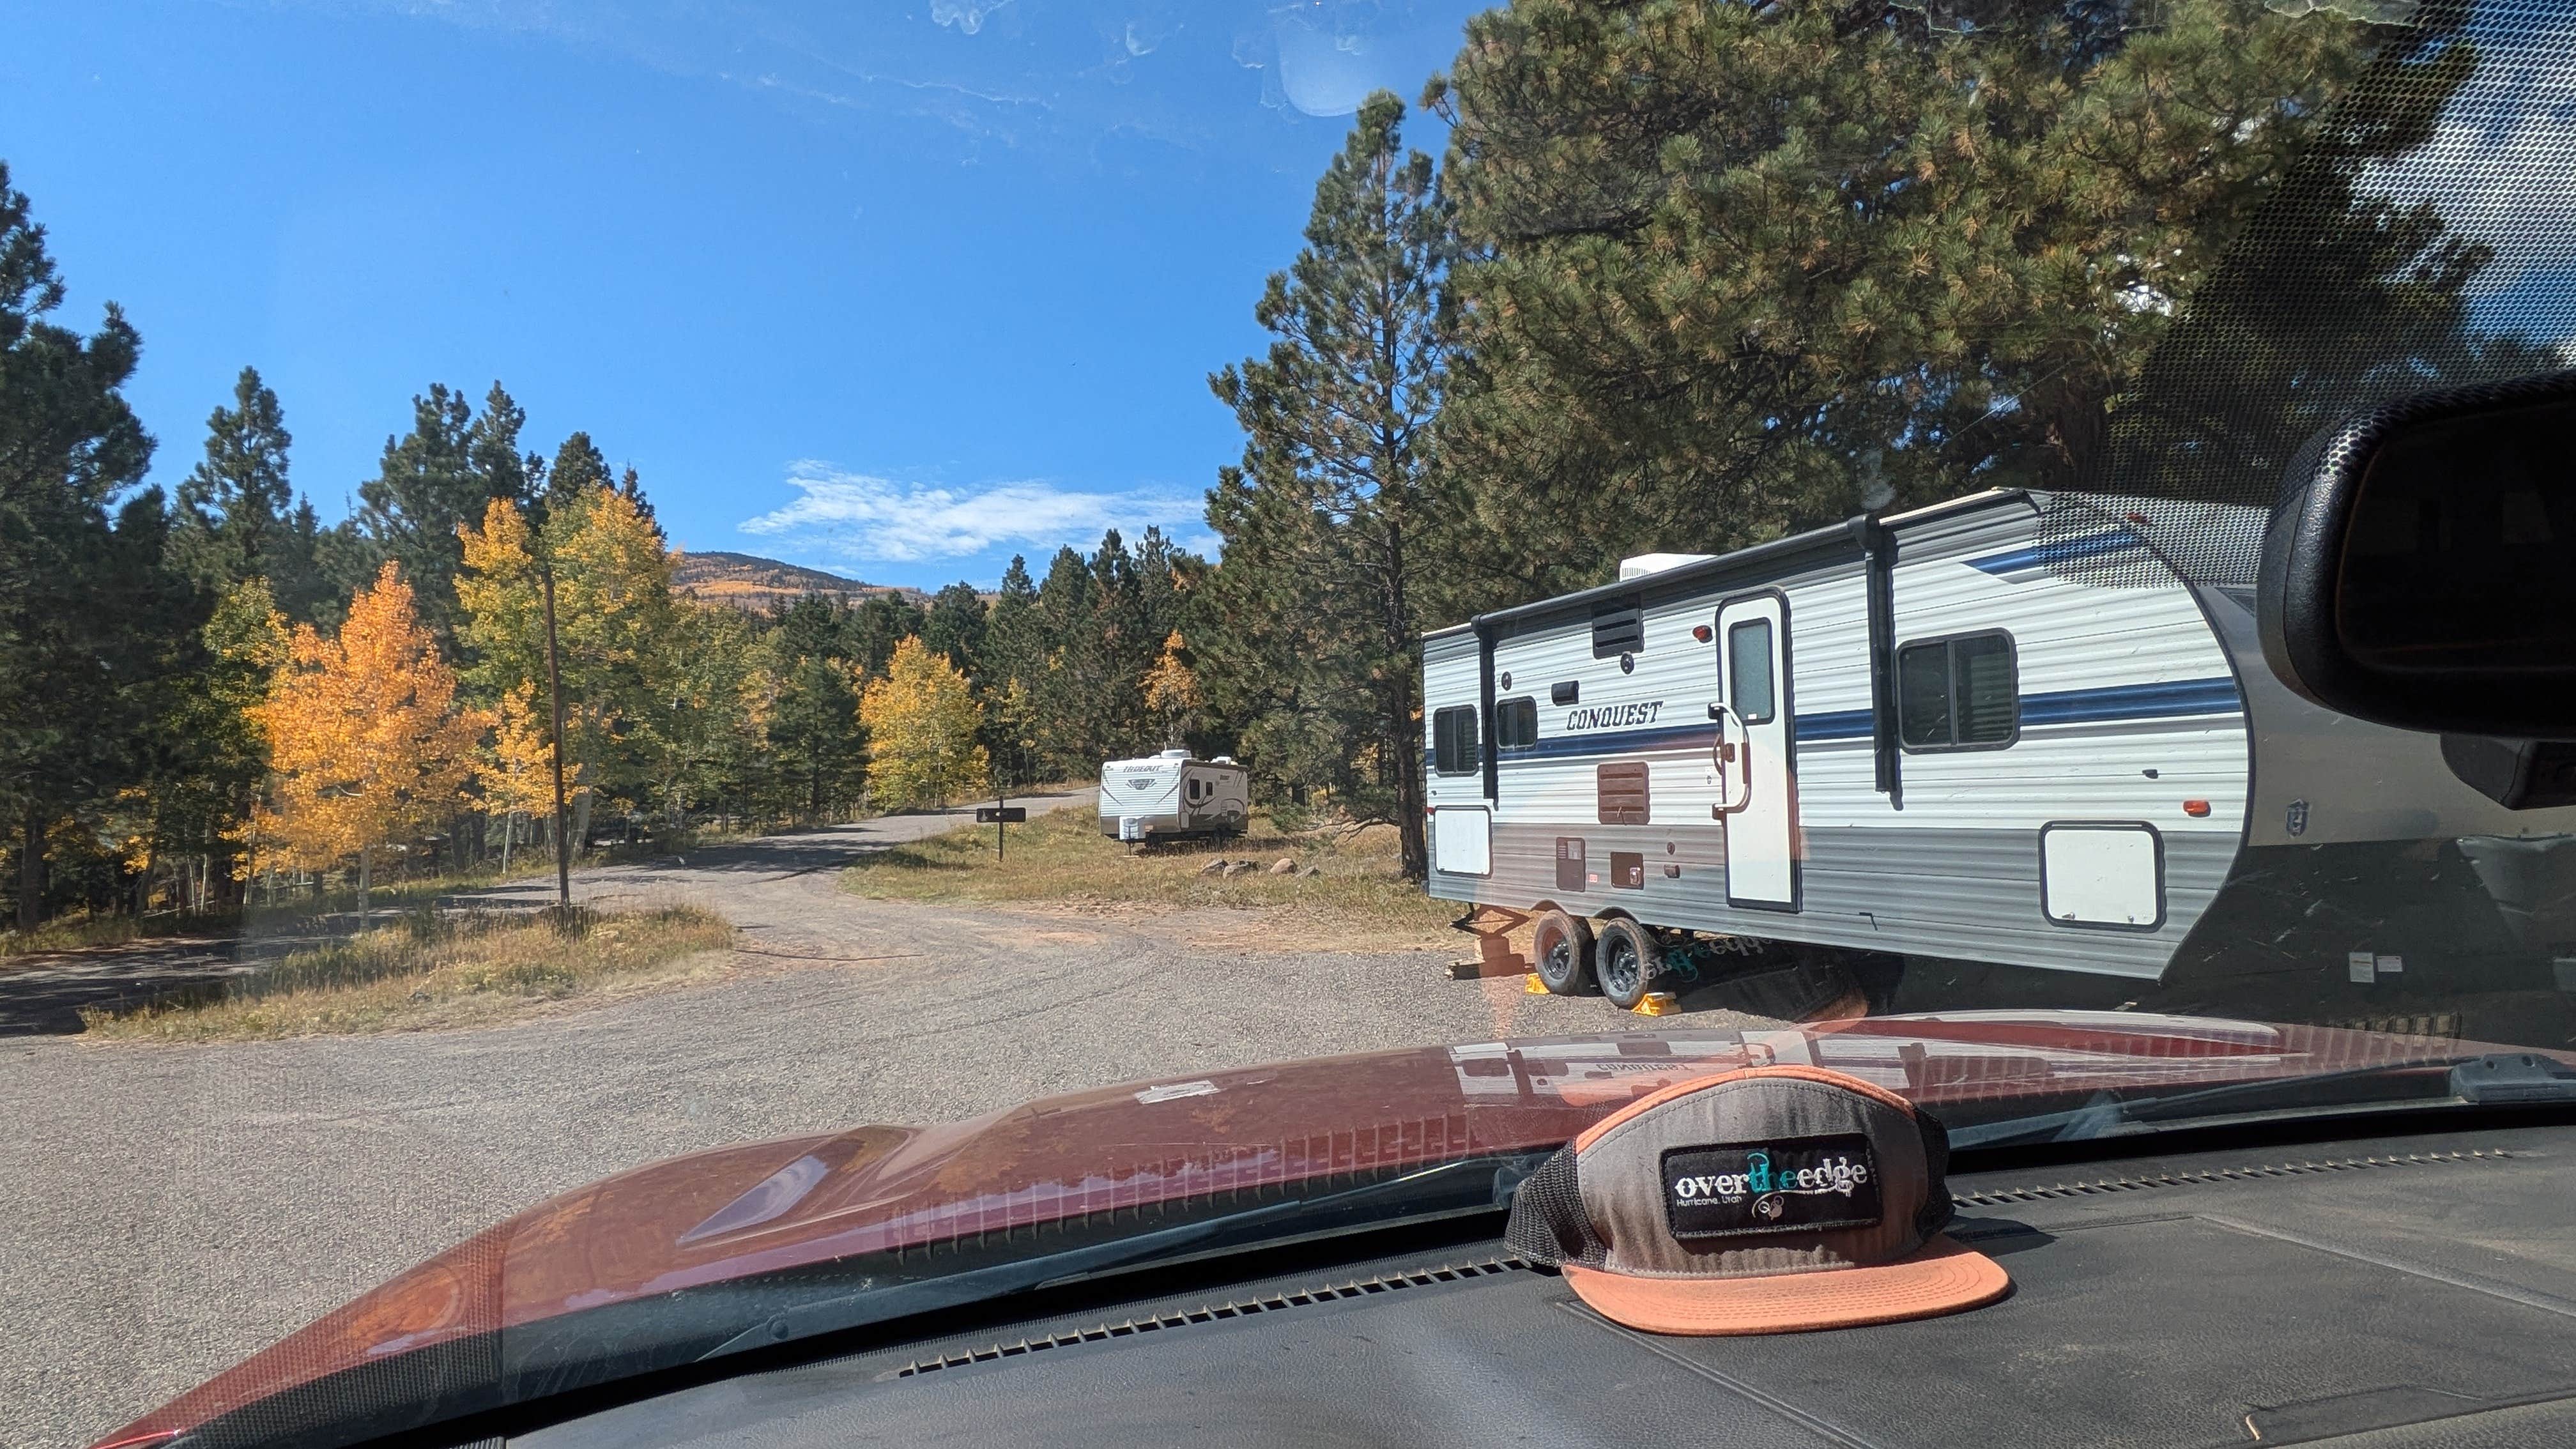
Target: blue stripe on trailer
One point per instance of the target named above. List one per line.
(1618, 742)
(1842, 724)
(2132, 701)
(2177, 698)
(2028, 561)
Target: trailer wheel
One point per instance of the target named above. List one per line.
(1561, 948)
(1627, 959)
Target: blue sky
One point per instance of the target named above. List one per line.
(892, 289)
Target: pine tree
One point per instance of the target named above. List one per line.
(955, 626)
(205, 753)
(878, 624)
(1329, 521)
(432, 483)
(1734, 270)
(922, 723)
(90, 616)
(364, 738)
(818, 753)
(713, 690)
(237, 516)
(579, 470)
(1069, 674)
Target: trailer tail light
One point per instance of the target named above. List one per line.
(2196, 809)
(1702, 633)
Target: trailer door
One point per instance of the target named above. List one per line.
(1758, 787)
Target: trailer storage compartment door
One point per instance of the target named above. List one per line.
(1462, 840)
(2107, 875)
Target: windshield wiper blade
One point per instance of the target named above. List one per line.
(2495, 1078)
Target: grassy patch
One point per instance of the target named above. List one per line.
(1355, 889)
(73, 933)
(428, 970)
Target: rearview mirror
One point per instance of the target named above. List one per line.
(2420, 568)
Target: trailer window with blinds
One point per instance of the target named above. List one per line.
(1516, 723)
(1453, 740)
(1959, 693)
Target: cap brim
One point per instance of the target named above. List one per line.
(1943, 1277)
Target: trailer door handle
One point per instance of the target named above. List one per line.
(1731, 754)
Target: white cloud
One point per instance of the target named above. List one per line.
(861, 516)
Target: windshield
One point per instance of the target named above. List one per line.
(920, 610)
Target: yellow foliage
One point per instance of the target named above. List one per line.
(516, 770)
(505, 618)
(921, 720)
(1171, 686)
(614, 616)
(363, 733)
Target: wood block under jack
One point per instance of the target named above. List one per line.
(1495, 957)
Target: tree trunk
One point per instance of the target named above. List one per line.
(579, 837)
(509, 829)
(1404, 729)
(366, 883)
(31, 871)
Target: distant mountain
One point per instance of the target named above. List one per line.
(752, 583)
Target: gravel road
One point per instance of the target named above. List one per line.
(171, 1209)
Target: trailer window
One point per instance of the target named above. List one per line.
(1453, 740)
(1961, 693)
(1516, 723)
(1748, 655)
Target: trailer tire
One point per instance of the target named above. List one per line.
(1626, 959)
(1561, 951)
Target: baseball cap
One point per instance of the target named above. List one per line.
(1769, 1200)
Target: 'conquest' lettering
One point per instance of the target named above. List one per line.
(1614, 716)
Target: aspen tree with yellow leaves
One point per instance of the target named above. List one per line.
(1172, 687)
(922, 720)
(514, 772)
(620, 630)
(365, 742)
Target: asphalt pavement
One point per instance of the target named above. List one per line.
(172, 1209)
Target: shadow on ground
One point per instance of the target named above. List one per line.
(44, 995)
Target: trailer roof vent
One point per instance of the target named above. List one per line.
(1655, 563)
(1618, 631)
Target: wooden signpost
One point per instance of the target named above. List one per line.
(1001, 817)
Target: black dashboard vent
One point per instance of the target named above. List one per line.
(1214, 1312)
(2002, 1196)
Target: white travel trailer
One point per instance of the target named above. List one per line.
(2021, 745)
(1170, 795)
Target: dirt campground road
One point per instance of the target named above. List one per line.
(171, 1209)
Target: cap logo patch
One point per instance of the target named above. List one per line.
(1798, 1185)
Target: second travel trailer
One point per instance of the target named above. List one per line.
(2013, 749)
(1172, 796)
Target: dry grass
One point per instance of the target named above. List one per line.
(1356, 896)
(72, 933)
(430, 971)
